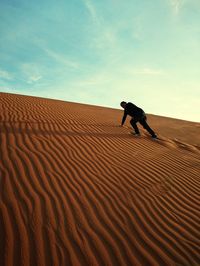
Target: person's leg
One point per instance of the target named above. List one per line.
(133, 123)
(143, 122)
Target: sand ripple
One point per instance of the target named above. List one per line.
(76, 189)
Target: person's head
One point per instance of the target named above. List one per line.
(123, 104)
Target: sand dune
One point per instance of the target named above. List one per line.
(76, 189)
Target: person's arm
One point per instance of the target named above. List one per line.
(124, 117)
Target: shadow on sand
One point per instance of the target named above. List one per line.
(51, 128)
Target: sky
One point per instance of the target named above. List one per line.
(104, 52)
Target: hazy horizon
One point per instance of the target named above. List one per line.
(101, 53)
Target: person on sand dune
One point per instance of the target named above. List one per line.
(138, 115)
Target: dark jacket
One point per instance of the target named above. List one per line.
(134, 111)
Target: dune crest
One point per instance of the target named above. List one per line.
(77, 189)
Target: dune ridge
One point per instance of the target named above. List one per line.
(76, 189)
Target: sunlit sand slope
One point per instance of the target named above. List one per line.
(77, 189)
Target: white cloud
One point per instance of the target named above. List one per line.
(137, 28)
(62, 59)
(176, 5)
(5, 75)
(147, 71)
(106, 40)
(34, 78)
(96, 79)
(31, 72)
(7, 89)
(92, 10)
(104, 34)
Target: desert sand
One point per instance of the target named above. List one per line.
(77, 189)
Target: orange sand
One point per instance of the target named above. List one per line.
(77, 189)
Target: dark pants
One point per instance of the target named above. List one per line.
(143, 121)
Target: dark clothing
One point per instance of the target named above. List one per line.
(143, 122)
(133, 111)
(138, 115)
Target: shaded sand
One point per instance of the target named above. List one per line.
(76, 189)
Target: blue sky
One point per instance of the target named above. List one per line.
(102, 52)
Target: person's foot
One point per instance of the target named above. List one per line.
(154, 136)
